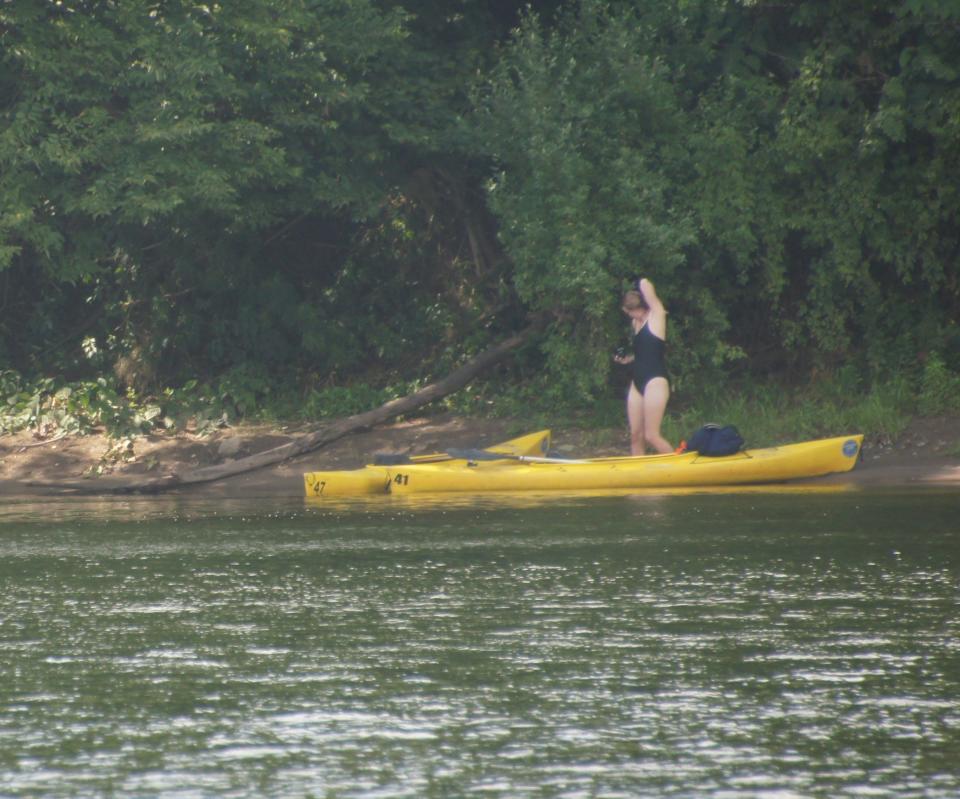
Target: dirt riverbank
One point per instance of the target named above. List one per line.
(928, 453)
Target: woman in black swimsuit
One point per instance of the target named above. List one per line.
(650, 388)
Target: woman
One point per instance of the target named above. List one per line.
(649, 389)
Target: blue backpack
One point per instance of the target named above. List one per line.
(716, 441)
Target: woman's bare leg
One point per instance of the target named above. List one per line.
(638, 446)
(655, 396)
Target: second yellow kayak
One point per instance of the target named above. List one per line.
(375, 478)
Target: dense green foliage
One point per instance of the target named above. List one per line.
(256, 186)
(779, 170)
(269, 202)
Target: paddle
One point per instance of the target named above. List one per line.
(486, 455)
(389, 459)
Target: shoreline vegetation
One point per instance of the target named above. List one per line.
(767, 412)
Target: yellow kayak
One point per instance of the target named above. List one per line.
(770, 465)
(375, 478)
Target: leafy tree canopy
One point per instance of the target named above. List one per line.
(352, 190)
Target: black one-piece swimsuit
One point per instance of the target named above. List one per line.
(648, 359)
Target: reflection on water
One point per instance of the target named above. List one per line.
(193, 506)
(772, 643)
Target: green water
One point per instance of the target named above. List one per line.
(769, 644)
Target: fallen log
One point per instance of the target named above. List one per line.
(456, 380)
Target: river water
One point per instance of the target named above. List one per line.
(747, 644)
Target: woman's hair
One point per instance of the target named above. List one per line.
(633, 300)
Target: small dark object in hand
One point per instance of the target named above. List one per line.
(620, 352)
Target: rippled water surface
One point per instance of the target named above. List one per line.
(768, 644)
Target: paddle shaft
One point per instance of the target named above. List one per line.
(486, 455)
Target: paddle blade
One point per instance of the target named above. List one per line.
(480, 455)
(389, 459)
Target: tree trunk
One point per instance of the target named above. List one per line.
(307, 443)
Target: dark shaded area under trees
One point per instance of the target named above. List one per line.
(284, 196)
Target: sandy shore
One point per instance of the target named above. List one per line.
(927, 454)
